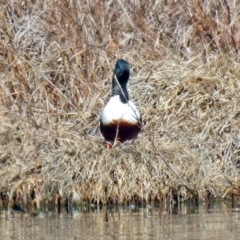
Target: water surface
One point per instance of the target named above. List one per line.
(216, 221)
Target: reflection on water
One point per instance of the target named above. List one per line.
(217, 221)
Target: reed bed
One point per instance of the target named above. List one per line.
(56, 61)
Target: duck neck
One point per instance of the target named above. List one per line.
(120, 89)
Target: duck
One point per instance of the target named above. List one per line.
(120, 120)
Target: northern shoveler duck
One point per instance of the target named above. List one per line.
(120, 118)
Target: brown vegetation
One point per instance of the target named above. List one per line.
(56, 62)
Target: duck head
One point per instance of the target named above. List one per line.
(120, 78)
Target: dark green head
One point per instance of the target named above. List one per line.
(122, 71)
(120, 78)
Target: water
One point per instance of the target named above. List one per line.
(217, 221)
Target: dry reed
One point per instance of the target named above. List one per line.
(56, 61)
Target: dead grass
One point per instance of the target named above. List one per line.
(56, 61)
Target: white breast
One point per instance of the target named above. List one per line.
(116, 110)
